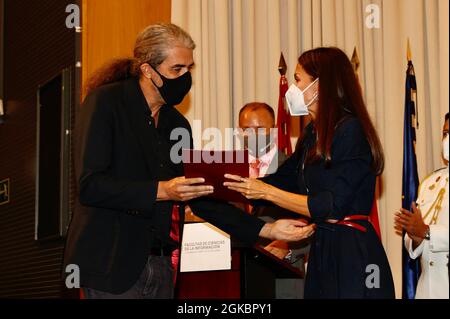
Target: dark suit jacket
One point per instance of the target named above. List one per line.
(119, 159)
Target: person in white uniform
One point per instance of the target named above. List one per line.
(427, 234)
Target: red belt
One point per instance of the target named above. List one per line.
(348, 221)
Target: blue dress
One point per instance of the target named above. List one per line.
(344, 262)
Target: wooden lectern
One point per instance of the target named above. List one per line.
(252, 276)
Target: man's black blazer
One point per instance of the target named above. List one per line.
(118, 163)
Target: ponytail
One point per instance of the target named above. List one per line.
(114, 71)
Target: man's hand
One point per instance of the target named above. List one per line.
(183, 189)
(287, 230)
(412, 223)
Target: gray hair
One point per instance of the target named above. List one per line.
(151, 47)
(154, 41)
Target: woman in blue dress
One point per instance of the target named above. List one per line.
(330, 179)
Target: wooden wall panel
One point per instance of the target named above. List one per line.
(37, 47)
(110, 28)
(1, 47)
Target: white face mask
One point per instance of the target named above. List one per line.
(295, 99)
(445, 148)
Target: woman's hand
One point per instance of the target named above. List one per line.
(183, 189)
(256, 189)
(251, 188)
(288, 230)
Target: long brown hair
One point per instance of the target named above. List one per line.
(340, 96)
(151, 47)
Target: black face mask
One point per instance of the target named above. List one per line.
(173, 91)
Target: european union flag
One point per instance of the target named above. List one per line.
(411, 268)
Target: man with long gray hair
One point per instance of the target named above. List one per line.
(131, 192)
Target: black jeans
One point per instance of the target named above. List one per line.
(155, 282)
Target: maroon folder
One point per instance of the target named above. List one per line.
(212, 166)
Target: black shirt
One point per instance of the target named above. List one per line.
(120, 157)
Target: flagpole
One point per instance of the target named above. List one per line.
(355, 61)
(413, 90)
(408, 51)
(283, 117)
(410, 179)
(374, 210)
